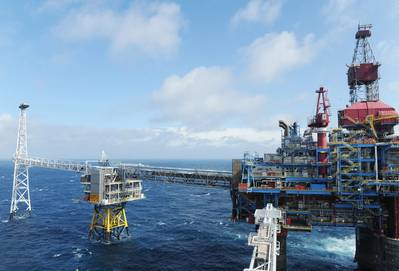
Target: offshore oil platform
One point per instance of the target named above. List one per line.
(345, 176)
(107, 187)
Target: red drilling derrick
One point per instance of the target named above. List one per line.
(363, 71)
(319, 122)
(366, 111)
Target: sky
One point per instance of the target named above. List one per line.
(179, 79)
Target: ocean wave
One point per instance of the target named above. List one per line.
(200, 195)
(80, 252)
(189, 222)
(344, 246)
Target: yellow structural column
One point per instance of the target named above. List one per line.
(124, 218)
(93, 221)
(108, 222)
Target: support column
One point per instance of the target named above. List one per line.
(376, 252)
(282, 258)
(323, 156)
(396, 220)
(236, 178)
(108, 223)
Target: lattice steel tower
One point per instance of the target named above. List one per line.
(363, 71)
(20, 200)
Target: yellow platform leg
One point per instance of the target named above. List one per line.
(108, 223)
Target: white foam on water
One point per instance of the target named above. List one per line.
(189, 222)
(341, 246)
(21, 217)
(200, 195)
(57, 255)
(160, 223)
(239, 236)
(4, 221)
(79, 252)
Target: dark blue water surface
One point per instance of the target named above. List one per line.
(176, 227)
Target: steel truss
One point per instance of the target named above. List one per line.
(363, 54)
(108, 223)
(20, 198)
(203, 177)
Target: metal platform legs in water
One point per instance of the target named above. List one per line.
(282, 258)
(376, 252)
(108, 223)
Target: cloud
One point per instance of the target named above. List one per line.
(55, 5)
(343, 15)
(228, 136)
(152, 28)
(274, 54)
(136, 143)
(204, 97)
(8, 133)
(388, 52)
(258, 11)
(393, 86)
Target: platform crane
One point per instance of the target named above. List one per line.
(319, 123)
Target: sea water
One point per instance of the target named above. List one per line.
(176, 227)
